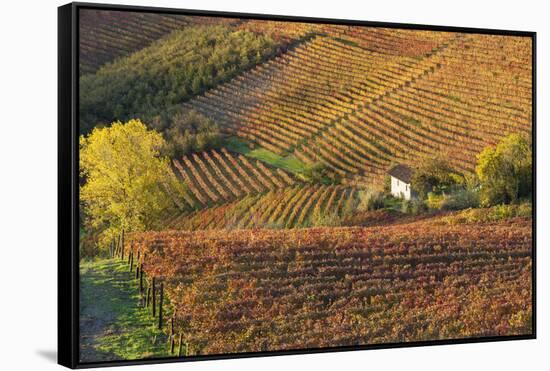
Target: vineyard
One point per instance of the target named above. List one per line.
(288, 101)
(259, 290)
(263, 216)
(353, 98)
(337, 101)
(221, 176)
(107, 35)
(291, 207)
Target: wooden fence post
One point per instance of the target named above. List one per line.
(141, 278)
(180, 345)
(160, 304)
(172, 325)
(148, 298)
(121, 248)
(154, 299)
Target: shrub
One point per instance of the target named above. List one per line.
(460, 199)
(371, 200)
(456, 200)
(414, 206)
(435, 201)
(491, 214)
(330, 219)
(350, 207)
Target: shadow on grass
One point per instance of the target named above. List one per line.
(113, 326)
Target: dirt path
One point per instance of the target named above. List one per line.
(112, 324)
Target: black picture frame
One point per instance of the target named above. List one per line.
(68, 182)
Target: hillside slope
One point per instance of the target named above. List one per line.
(298, 206)
(106, 35)
(359, 100)
(261, 290)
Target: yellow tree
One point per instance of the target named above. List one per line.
(124, 179)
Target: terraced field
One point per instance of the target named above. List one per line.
(411, 43)
(107, 35)
(358, 106)
(440, 111)
(221, 176)
(286, 102)
(258, 290)
(356, 99)
(291, 207)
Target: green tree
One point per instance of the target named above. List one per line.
(124, 179)
(433, 175)
(505, 171)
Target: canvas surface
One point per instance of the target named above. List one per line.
(259, 186)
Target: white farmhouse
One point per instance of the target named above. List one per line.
(401, 176)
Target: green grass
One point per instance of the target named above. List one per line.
(289, 162)
(113, 324)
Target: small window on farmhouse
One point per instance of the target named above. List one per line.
(397, 181)
(406, 187)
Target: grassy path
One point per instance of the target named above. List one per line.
(112, 324)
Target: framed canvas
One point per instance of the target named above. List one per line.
(236, 185)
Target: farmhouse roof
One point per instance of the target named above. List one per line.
(401, 172)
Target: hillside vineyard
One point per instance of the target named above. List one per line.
(105, 36)
(358, 99)
(306, 185)
(221, 176)
(259, 290)
(348, 101)
(289, 207)
(337, 101)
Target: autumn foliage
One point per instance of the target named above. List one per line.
(258, 290)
